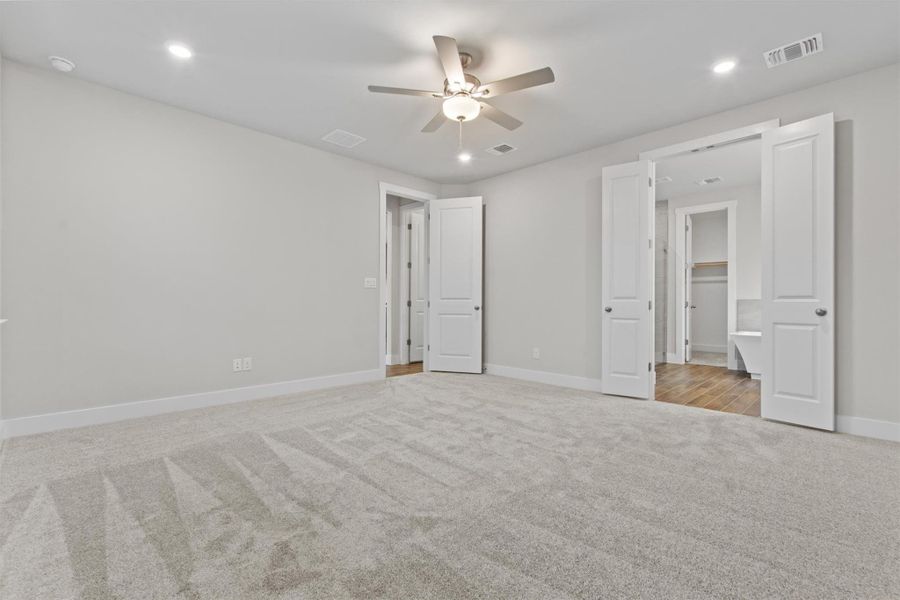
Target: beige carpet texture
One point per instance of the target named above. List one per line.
(452, 487)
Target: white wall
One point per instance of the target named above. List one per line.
(710, 238)
(144, 247)
(542, 242)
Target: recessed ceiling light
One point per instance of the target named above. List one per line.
(62, 64)
(724, 66)
(180, 50)
(464, 157)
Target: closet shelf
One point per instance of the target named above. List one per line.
(712, 263)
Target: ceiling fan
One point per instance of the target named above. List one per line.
(464, 96)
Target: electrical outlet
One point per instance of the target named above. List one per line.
(237, 365)
(247, 363)
(536, 353)
(370, 283)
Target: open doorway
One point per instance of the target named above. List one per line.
(445, 238)
(403, 269)
(708, 281)
(794, 348)
(406, 279)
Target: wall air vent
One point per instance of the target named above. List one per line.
(344, 139)
(500, 149)
(794, 51)
(709, 180)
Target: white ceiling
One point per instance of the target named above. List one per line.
(737, 165)
(300, 69)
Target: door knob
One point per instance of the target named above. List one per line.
(608, 309)
(693, 306)
(821, 312)
(477, 308)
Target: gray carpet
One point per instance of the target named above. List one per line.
(449, 486)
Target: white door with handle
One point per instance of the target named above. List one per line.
(688, 284)
(455, 285)
(798, 273)
(627, 263)
(417, 294)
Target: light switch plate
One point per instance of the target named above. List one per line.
(370, 282)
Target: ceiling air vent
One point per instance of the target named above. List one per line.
(708, 180)
(344, 139)
(794, 51)
(500, 149)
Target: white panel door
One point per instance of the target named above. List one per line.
(688, 285)
(627, 230)
(798, 273)
(417, 293)
(455, 278)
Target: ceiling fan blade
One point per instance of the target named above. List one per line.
(499, 117)
(519, 82)
(435, 123)
(404, 91)
(448, 52)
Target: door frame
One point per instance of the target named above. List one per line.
(405, 275)
(704, 143)
(385, 189)
(388, 275)
(680, 240)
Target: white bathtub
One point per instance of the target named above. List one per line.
(749, 344)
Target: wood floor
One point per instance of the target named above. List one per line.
(411, 368)
(714, 388)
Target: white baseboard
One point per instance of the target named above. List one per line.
(390, 359)
(710, 348)
(671, 357)
(873, 428)
(117, 412)
(569, 381)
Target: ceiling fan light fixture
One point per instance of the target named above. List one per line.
(461, 107)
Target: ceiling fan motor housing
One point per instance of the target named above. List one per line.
(472, 84)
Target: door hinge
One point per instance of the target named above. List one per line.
(408, 342)
(409, 265)
(649, 367)
(409, 225)
(409, 302)
(685, 304)
(650, 181)
(649, 304)
(686, 342)
(650, 243)
(429, 347)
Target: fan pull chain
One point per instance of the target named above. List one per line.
(460, 135)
